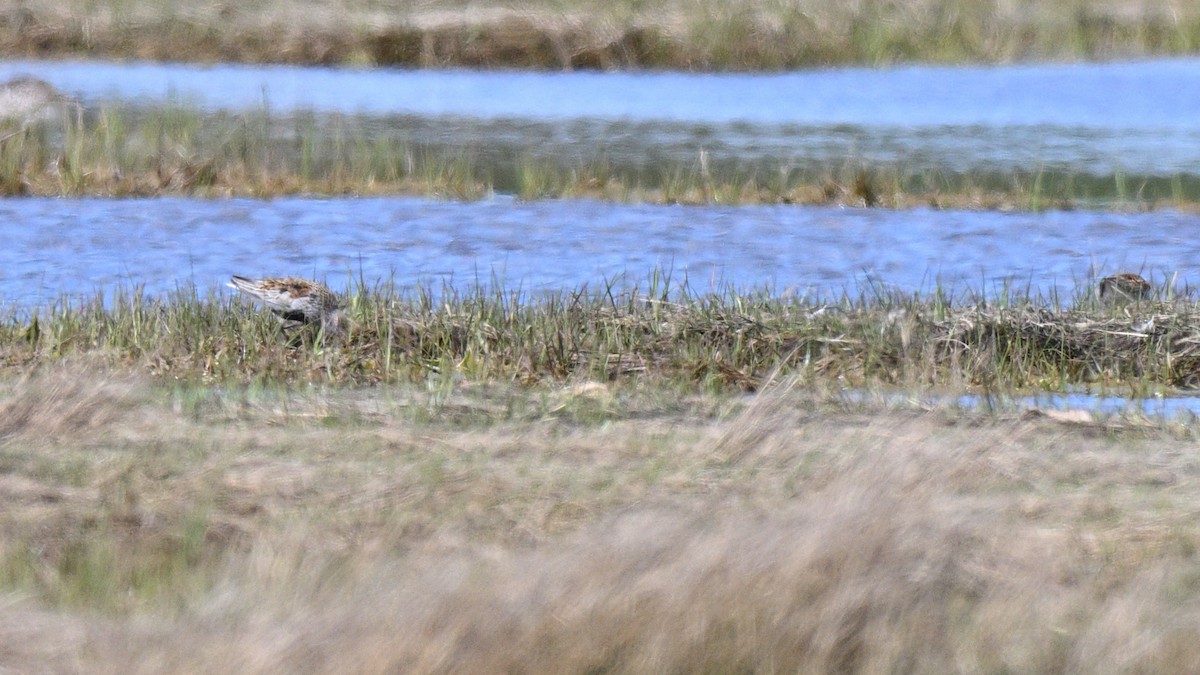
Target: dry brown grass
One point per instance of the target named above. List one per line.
(591, 529)
(70, 400)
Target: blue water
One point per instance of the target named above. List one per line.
(76, 246)
(1102, 405)
(1147, 95)
(1166, 407)
(1102, 119)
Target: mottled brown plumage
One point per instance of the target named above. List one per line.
(294, 300)
(1124, 286)
(27, 100)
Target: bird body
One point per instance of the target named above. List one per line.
(298, 301)
(1124, 286)
(27, 100)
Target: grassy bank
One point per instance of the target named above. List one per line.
(179, 150)
(725, 341)
(557, 35)
(607, 529)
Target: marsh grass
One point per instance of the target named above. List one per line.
(509, 529)
(179, 149)
(660, 331)
(562, 35)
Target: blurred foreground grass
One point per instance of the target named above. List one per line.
(600, 528)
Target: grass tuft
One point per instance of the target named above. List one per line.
(178, 149)
(726, 339)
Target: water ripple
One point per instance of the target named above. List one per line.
(1091, 119)
(56, 246)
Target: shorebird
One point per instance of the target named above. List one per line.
(295, 301)
(25, 101)
(1124, 286)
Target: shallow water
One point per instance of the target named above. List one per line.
(1164, 407)
(1160, 407)
(77, 246)
(1158, 94)
(1137, 118)
(1098, 116)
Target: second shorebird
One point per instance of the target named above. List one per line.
(294, 301)
(1124, 286)
(26, 101)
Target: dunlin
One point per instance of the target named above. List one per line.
(27, 100)
(294, 301)
(1124, 286)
